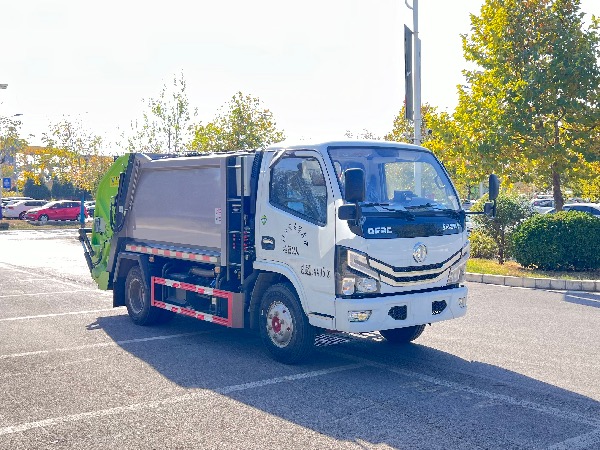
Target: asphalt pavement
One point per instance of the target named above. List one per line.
(521, 370)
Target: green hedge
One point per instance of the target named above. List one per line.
(561, 241)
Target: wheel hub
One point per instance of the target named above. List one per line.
(279, 324)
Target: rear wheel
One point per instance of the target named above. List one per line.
(284, 328)
(137, 301)
(403, 335)
(43, 218)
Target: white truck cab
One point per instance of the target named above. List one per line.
(399, 262)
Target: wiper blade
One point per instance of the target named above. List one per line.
(426, 205)
(374, 204)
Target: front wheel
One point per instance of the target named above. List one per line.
(22, 215)
(403, 335)
(43, 219)
(137, 301)
(284, 328)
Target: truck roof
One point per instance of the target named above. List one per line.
(303, 144)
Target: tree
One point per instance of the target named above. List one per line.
(532, 107)
(364, 134)
(72, 154)
(165, 127)
(244, 125)
(10, 144)
(36, 190)
(511, 210)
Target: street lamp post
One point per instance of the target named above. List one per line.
(417, 88)
(416, 71)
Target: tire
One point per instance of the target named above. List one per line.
(284, 328)
(402, 335)
(22, 215)
(43, 219)
(137, 301)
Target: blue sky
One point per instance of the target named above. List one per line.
(321, 66)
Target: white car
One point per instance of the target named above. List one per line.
(590, 208)
(542, 205)
(17, 209)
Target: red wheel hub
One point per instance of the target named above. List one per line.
(276, 324)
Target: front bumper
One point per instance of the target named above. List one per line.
(421, 308)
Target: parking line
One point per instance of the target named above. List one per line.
(105, 344)
(204, 393)
(46, 293)
(589, 299)
(549, 410)
(42, 316)
(14, 269)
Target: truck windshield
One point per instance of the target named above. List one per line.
(398, 179)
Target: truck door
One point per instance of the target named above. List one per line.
(296, 228)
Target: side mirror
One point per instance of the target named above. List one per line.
(354, 185)
(494, 187)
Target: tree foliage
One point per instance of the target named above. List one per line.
(166, 125)
(511, 210)
(532, 107)
(36, 190)
(71, 154)
(244, 124)
(441, 134)
(11, 143)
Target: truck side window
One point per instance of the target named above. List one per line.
(298, 187)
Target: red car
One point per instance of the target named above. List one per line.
(58, 210)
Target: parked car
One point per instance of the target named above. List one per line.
(469, 224)
(542, 205)
(17, 209)
(90, 206)
(591, 208)
(57, 210)
(5, 200)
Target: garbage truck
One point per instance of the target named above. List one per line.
(292, 241)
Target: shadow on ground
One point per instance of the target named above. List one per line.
(583, 298)
(411, 396)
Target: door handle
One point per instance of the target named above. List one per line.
(267, 243)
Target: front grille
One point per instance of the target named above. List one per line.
(398, 312)
(438, 307)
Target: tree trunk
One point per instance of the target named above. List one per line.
(559, 200)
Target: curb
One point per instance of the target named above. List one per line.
(535, 283)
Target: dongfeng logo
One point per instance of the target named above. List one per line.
(379, 230)
(419, 252)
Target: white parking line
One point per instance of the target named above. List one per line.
(592, 299)
(45, 293)
(105, 344)
(551, 411)
(33, 274)
(205, 393)
(42, 316)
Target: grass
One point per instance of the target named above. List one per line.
(513, 269)
(16, 224)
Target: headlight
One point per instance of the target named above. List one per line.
(360, 263)
(351, 268)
